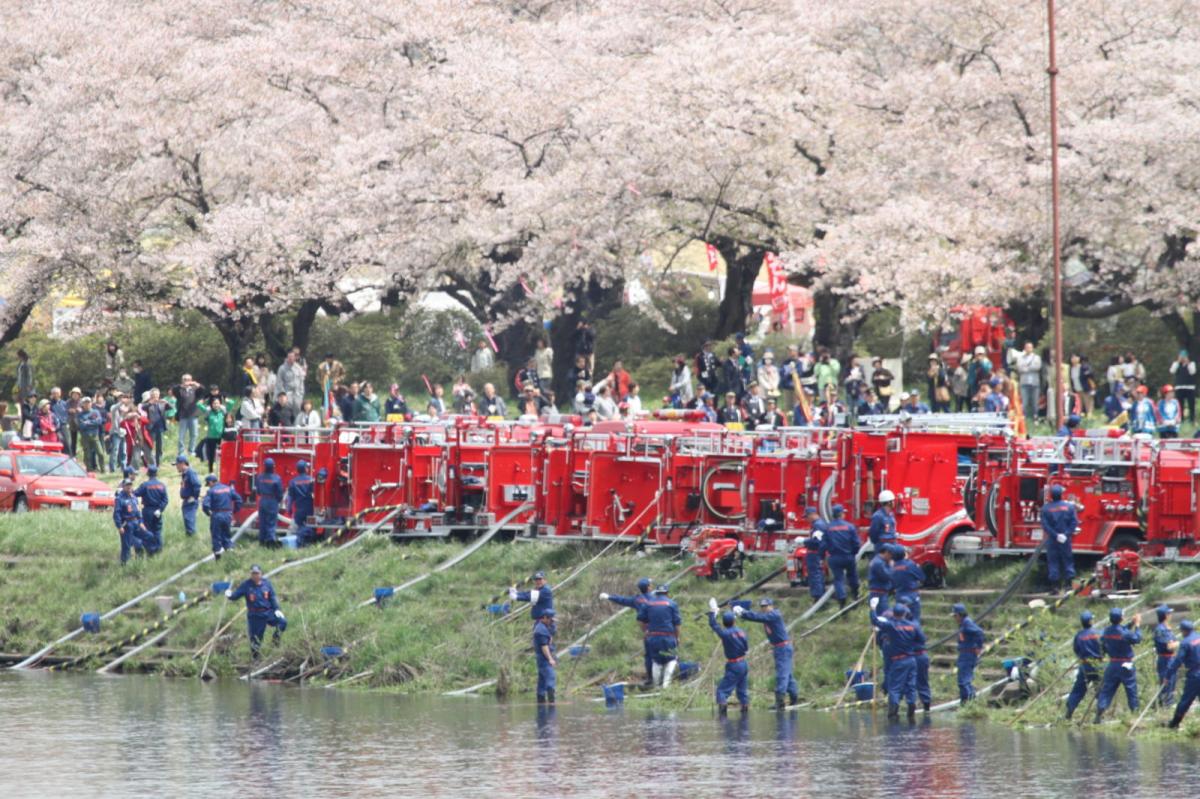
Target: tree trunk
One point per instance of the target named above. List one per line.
(829, 328)
(16, 319)
(1185, 330)
(742, 264)
(1032, 319)
(302, 324)
(592, 302)
(274, 341)
(238, 335)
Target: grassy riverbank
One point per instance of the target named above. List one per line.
(437, 636)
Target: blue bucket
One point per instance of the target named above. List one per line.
(290, 542)
(331, 652)
(577, 651)
(864, 691)
(499, 610)
(220, 586)
(90, 622)
(614, 694)
(688, 670)
(856, 677)
(744, 604)
(383, 593)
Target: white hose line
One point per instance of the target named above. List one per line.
(139, 648)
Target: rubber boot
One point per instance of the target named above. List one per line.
(912, 712)
(669, 672)
(1099, 715)
(550, 696)
(842, 602)
(1070, 712)
(925, 706)
(657, 674)
(893, 712)
(793, 699)
(541, 700)
(1175, 721)
(779, 700)
(722, 710)
(275, 636)
(745, 708)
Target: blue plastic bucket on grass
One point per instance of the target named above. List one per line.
(382, 594)
(90, 622)
(864, 691)
(688, 670)
(577, 651)
(220, 587)
(290, 542)
(856, 677)
(614, 694)
(499, 610)
(331, 652)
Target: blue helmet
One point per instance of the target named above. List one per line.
(1056, 492)
(548, 613)
(1186, 625)
(897, 551)
(1085, 618)
(302, 466)
(269, 464)
(728, 618)
(181, 459)
(662, 588)
(959, 609)
(1163, 611)
(766, 602)
(810, 511)
(210, 479)
(1115, 615)
(1073, 420)
(151, 470)
(900, 610)
(838, 510)
(539, 575)
(644, 584)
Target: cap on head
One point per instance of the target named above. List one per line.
(548, 613)
(1086, 618)
(810, 511)
(1163, 611)
(1073, 420)
(933, 356)
(1186, 625)
(539, 575)
(727, 618)
(662, 588)
(126, 483)
(766, 602)
(898, 552)
(981, 350)
(256, 569)
(886, 496)
(1056, 492)
(995, 381)
(900, 610)
(1115, 614)
(181, 459)
(838, 510)
(269, 464)
(302, 466)
(959, 609)
(152, 470)
(212, 478)
(1167, 389)
(643, 584)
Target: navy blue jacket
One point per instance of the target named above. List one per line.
(260, 599)
(900, 638)
(1087, 645)
(661, 617)
(733, 639)
(777, 632)
(300, 497)
(879, 576)
(189, 485)
(89, 422)
(1119, 640)
(907, 577)
(1188, 656)
(543, 635)
(125, 509)
(841, 538)
(269, 488)
(542, 600)
(636, 601)
(1059, 517)
(970, 636)
(153, 494)
(1162, 639)
(221, 499)
(883, 528)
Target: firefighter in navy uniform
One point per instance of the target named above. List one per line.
(262, 609)
(879, 577)
(269, 490)
(814, 554)
(883, 521)
(128, 520)
(1187, 657)
(842, 544)
(901, 639)
(1165, 645)
(781, 645)
(543, 653)
(970, 646)
(661, 620)
(1118, 642)
(189, 493)
(907, 579)
(541, 597)
(1059, 521)
(737, 672)
(299, 504)
(1088, 650)
(220, 503)
(154, 497)
(636, 602)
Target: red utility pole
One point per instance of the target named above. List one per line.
(1052, 71)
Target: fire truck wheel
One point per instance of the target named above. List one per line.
(1124, 541)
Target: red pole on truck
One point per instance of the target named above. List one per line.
(1052, 71)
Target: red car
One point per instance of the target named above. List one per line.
(36, 475)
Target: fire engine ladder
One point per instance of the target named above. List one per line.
(1087, 452)
(937, 422)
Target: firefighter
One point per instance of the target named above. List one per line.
(269, 490)
(636, 602)
(189, 493)
(921, 659)
(661, 620)
(154, 497)
(541, 597)
(777, 635)
(970, 645)
(220, 503)
(300, 504)
(1165, 645)
(907, 579)
(1088, 650)
(543, 654)
(262, 608)
(879, 578)
(901, 639)
(737, 672)
(883, 521)
(1118, 641)
(128, 520)
(842, 543)
(1059, 521)
(1188, 657)
(814, 554)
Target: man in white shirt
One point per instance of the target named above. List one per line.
(1029, 370)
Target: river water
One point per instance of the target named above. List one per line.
(90, 736)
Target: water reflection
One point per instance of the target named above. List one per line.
(135, 737)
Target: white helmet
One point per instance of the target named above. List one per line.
(886, 496)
